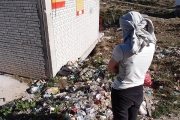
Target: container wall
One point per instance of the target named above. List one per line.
(75, 29)
(21, 49)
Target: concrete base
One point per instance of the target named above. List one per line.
(11, 89)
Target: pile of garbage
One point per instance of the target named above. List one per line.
(86, 95)
(80, 91)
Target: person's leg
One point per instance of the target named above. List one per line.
(137, 98)
(120, 104)
(133, 112)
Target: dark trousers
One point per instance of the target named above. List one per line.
(126, 102)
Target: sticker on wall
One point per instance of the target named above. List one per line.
(79, 7)
(58, 4)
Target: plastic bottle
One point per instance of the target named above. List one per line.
(34, 89)
(73, 99)
(46, 95)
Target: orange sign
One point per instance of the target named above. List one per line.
(58, 4)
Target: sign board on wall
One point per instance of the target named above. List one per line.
(58, 4)
(79, 7)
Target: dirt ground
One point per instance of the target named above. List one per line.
(167, 31)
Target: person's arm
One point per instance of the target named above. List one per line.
(113, 66)
(117, 55)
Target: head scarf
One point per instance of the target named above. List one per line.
(137, 30)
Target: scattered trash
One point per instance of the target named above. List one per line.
(165, 95)
(147, 80)
(176, 102)
(52, 90)
(159, 56)
(118, 29)
(68, 70)
(2, 73)
(29, 97)
(174, 93)
(161, 87)
(87, 93)
(3, 99)
(142, 109)
(108, 38)
(34, 89)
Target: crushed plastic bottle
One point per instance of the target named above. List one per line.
(46, 95)
(109, 113)
(102, 117)
(34, 89)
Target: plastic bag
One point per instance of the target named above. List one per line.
(142, 109)
(147, 80)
